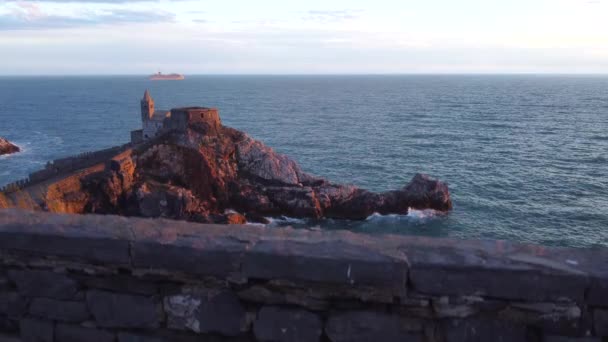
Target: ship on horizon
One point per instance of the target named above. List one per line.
(168, 77)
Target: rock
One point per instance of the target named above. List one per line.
(6, 147)
(114, 310)
(600, 321)
(127, 337)
(220, 313)
(74, 333)
(571, 339)
(558, 319)
(372, 326)
(59, 310)
(48, 284)
(119, 283)
(481, 330)
(234, 218)
(199, 174)
(35, 330)
(12, 304)
(280, 324)
(424, 192)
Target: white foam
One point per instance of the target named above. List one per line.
(285, 220)
(412, 214)
(423, 214)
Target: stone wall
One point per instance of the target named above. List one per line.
(182, 118)
(64, 166)
(104, 278)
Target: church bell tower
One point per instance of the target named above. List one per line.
(147, 106)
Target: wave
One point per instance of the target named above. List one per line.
(412, 214)
(284, 220)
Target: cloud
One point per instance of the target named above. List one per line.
(331, 16)
(89, 1)
(31, 18)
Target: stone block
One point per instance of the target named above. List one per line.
(286, 325)
(35, 330)
(12, 304)
(600, 322)
(552, 318)
(482, 330)
(598, 293)
(360, 326)
(96, 238)
(36, 283)
(570, 339)
(502, 282)
(119, 283)
(331, 261)
(75, 333)
(115, 310)
(209, 261)
(219, 312)
(8, 325)
(128, 337)
(9, 338)
(59, 310)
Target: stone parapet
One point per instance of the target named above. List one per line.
(107, 278)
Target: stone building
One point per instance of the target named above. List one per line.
(152, 120)
(155, 122)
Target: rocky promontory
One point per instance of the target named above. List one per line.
(214, 173)
(6, 147)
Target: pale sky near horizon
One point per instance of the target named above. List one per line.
(304, 37)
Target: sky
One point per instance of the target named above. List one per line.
(80, 37)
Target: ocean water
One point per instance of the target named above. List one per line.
(526, 157)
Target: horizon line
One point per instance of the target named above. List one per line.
(328, 74)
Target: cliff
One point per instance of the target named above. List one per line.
(6, 147)
(213, 173)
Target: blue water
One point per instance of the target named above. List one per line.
(526, 157)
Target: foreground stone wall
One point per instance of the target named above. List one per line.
(96, 278)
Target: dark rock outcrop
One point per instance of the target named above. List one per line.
(222, 175)
(6, 147)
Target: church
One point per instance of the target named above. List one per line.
(155, 122)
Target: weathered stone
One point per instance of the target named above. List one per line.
(279, 324)
(505, 282)
(119, 283)
(290, 296)
(8, 325)
(123, 311)
(75, 333)
(128, 337)
(342, 263)
(600, 322)
(372, 326)
(559, 319)
(598, 293)
(4, 283)
(93, 238)
(35, 330)
(59, 310)
(12, 304)
(203, 250)
(9, 338)
(461, 307)
(570, 339)
(219, 312)
(32, 283)
(217, 262)
(482, 330)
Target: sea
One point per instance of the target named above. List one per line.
(525, 156)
